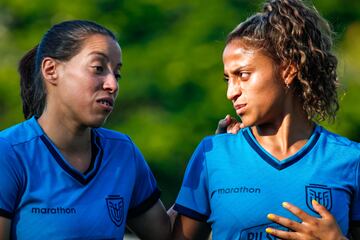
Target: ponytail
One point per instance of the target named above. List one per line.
(62, 41)
(289, 31)
(32, 89)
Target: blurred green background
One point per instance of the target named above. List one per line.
(172, 93)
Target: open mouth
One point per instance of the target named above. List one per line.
(106, 102)
(109, 103)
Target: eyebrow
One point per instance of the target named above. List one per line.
(106, 57)
(236, 70)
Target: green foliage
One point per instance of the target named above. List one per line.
(172, 93)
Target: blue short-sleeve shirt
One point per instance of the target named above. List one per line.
(232, 183)
(46, 198)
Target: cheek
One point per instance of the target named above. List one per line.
(264, 94)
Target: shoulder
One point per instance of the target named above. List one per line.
(21, 132)
(211, 147)
(346, 149)
(339, 141)
(221, 140)
(5, 147)
(8, 156)
(115, 141)
(108, 134)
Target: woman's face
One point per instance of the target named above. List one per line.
(88, 83)
(257, 92)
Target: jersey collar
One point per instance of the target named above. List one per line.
(267, 157)
(96, 154)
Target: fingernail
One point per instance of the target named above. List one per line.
(315, 202)
(228, 119)
(285, 204)
(271, 216)
(269, 230)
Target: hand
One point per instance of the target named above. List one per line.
(311, 228)
(172, 215)
(229, 125)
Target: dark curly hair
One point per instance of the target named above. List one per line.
(292, 33)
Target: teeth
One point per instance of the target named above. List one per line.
(105, 102)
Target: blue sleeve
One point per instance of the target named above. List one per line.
(355, 208)
(193, 198)
(145, 193)
(11, 179)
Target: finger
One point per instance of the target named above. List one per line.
(172, 215)
(282, 234)
(297, 211)
(233, 128)
(286, 222)
(223, 124)
(324, 213)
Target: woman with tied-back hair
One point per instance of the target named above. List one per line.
(281, 79)
(62, 176)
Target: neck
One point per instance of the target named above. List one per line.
(284, 137)
(66, 135)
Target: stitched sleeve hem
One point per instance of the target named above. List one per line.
(5, 213)
(145, 205)
(190, 213)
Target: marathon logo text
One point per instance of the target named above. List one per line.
(232, 190)
(55, 210)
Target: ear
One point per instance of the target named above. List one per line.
(288, 73)
(49, 70)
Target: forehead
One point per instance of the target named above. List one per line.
(239, 48)
(98, 43)
(238, 53)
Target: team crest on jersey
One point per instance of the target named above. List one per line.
(115, 206)
(320, 193)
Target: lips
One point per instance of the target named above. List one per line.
(240, 108)
(106, 102)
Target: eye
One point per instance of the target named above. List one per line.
(244, 75)
(226, 78)
(98, 69)
(117, 76)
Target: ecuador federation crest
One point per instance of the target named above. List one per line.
(115, 206)
(320, 193)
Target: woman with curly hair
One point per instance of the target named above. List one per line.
(281, 78)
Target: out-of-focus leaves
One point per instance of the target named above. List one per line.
(172, 93)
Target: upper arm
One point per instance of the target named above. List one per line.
(355, 224)
(188, 228)
(11, 180)
(145, 185)
(147, 216)
(152, 224)
(5, 224)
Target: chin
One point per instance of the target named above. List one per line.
(247, 122)
(96, 123)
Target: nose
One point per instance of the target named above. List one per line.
(233, 90)
(111, 83)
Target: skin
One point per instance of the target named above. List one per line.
(324, 227)
(258, 89)
(75, 89)
(4, 228)
(310, 228)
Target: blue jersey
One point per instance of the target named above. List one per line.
(233, 183)
(46, 198)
